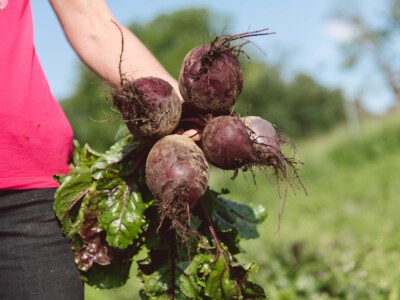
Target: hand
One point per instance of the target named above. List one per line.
(193, 134)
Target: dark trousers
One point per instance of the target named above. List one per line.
(36, 260)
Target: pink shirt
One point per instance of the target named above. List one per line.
(35, 136)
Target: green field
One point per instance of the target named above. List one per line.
(342, 240)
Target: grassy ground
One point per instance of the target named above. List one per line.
(341, 241)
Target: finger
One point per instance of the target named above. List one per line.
(193, 134)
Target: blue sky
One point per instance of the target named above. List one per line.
(307, 39)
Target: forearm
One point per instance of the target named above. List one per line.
(89, 27)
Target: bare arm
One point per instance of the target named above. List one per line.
(89, 29)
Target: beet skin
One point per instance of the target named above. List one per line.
(226, 143)
(210, 80)
(176, 173)
(149, 106)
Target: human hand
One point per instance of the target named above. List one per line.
(193, 134)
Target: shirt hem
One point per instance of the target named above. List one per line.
(26, 183)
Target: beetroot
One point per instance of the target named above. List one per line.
(233, 143)
(210, 79)
(149, 106)
(266, 141)
(226, 143)
(177, 175)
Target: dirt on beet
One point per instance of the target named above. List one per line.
(149, 106)
(211, 77)
(210, 81)
(177, 175)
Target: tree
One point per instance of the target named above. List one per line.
(377, 41)
(89, 110)
(300, 107)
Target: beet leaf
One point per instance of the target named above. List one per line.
(122, 216)
(107, 210)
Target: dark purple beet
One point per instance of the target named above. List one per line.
(226, 143)
(176, 173)
(210, 79)
(149, 106)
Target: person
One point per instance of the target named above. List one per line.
(36, 261)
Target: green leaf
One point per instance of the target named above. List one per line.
(74, 187)
(187, 278)
(122, 216)
(108, 180)
(254, 291)
(229, 216)
(101, 266)
(72, 190)
(232, 283)
(219, 285)
(111, 156)
(175, 277)
(117, 152)
(93, 247)
(84, 155)
(110, 276)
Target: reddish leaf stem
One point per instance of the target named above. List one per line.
(214, 234)
(76, 200)
(173, 269)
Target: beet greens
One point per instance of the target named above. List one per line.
(146, 202)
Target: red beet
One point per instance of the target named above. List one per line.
(226, 143)
(267, 144)
(149, 106)
(177, 175)
(210, 79)
(266, 141)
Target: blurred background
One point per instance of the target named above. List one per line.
(329, 79)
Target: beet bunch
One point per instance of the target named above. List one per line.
(147, 199)
(210, 83)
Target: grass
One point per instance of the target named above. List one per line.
(338, 242)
